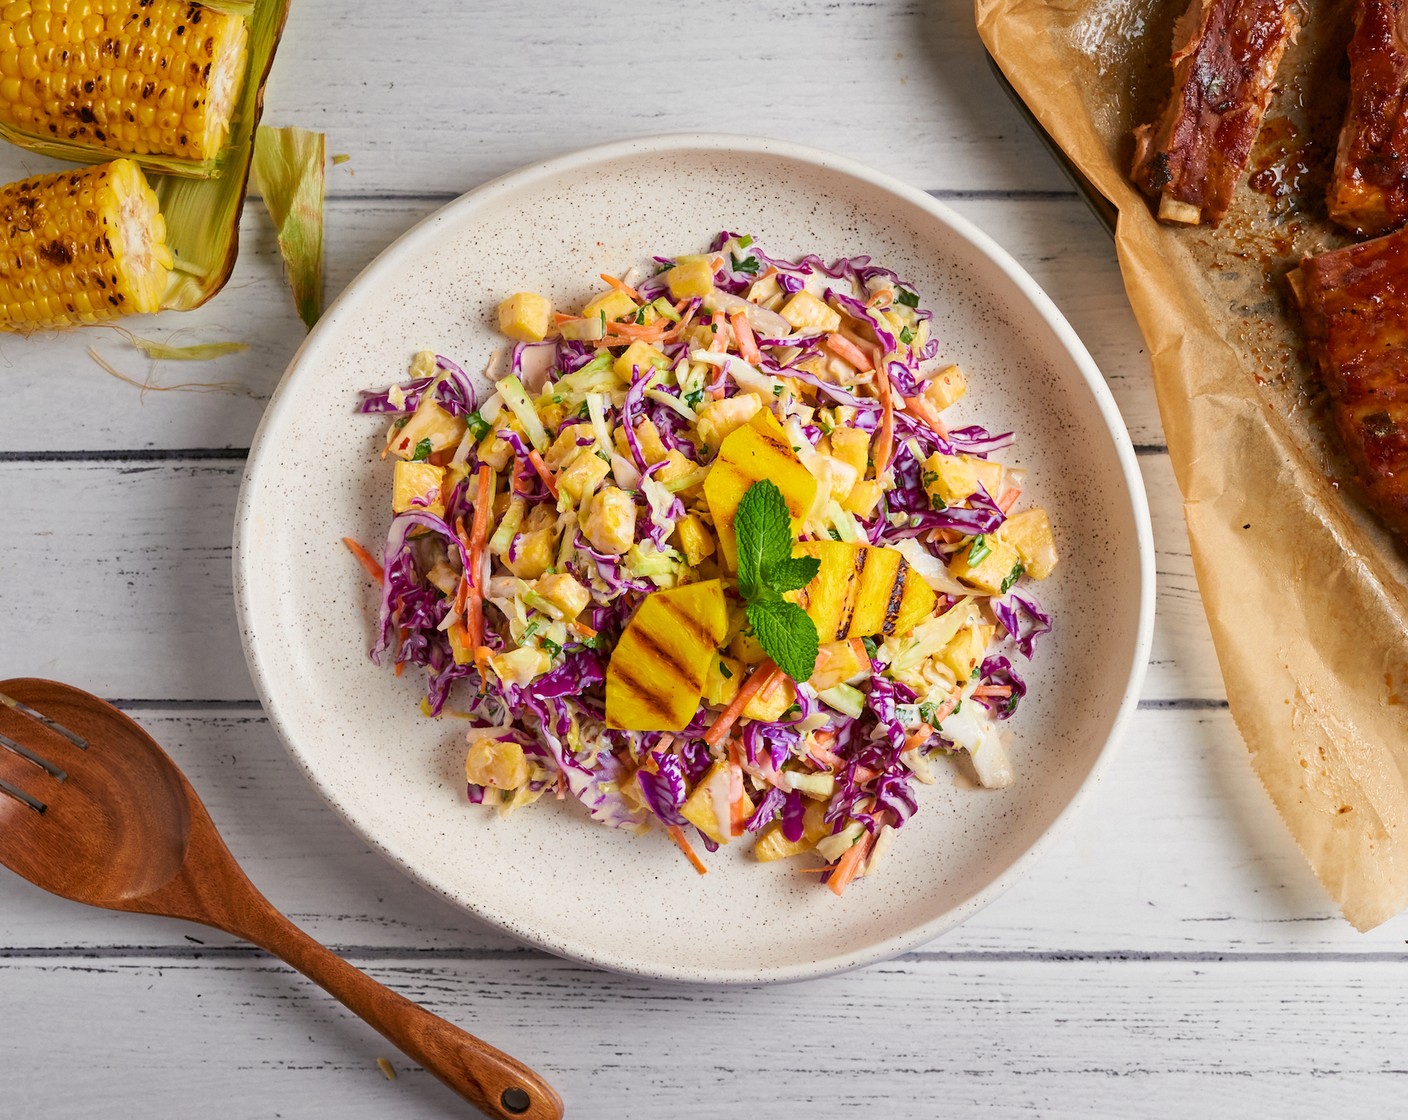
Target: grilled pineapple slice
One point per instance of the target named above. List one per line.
(659, 667)
(759, 449)
(862, 590)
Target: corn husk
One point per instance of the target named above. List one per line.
(289, 174)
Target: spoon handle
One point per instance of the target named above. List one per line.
(497, 1084)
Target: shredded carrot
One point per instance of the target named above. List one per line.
(764, 673)
(469, 597)
(481, 659)
(561, 786)
(861, 651)
(561, 317)
(947, 709)
(919, 737)
(400, 667)
(825, 756)
(583, 630)
(849, 864)
(717, 346)
(993, 690)
(678, 836)
(621, 286)
(882, 298)
(848, 351)
(925, 410)
(367, 560)
(885, 434)
(647, 332)
(743, 334)
(822, 870)
(1009, 499)
(542, 468)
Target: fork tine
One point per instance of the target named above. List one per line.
(22, 797)
(38, 760)
(39, 717)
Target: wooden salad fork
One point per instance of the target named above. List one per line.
(93, 810)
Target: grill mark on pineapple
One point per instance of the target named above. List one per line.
(657, 703)
(848, 609)
(666, 657)
(702, 638)
(892, 607)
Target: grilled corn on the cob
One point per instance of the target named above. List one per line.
(139, 76)
(80, 247)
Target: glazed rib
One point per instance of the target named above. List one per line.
(1224, 63)
(1369, 191)
(1354, 305)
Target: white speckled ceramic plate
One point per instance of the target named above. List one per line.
(547, 874)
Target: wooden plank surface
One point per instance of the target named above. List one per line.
(1170, 956)
(913, 1040)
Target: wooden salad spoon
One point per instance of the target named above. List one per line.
(91, 809)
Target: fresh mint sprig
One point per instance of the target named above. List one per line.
(766, 571)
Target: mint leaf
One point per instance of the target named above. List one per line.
(793, 573)
(422, 451)
(763, 527)
(787, 634)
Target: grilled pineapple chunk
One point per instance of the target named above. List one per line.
(525, 316)
(862, 590)
(852, 446)
(693, 539)
(1029, 533)
(945, 388)
(614, 303)
(418, 486)
(692, 278)
(430, 422)
(769, 703)
(723, 681)
(994, 569)
(660, 666)
(773, 845)
(837, 662)
(702, 808)
(759, 449)
(948, 479)
(805, 312)
(639, 356)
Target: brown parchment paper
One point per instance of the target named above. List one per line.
(1306, 596)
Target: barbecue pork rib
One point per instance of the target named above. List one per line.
(1354, 305)
(1224, 65)
(1369, 191)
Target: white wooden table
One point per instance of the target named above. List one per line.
(1171, 956)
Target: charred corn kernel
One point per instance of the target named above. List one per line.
(805, 312)
(496, 762)
(80, 247)
(946, 387)
(691, 279)
(616, 304)
(139, 76)
(525, 316)
(418, 486)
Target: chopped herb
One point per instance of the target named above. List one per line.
(1017, 572)
(794, 710)
(748, 264)
(870, 647)
(399, 423)
(835, 534)
(478, 426)
(694, 398)
(551, 646)
(937, 502)
(640, 317)
(929, 477)
(724, 670)
(974, 674)
(978, 551)
(928, 713)
(909, 299)
(584, 412)
(777, 392)
(714, 328)
(906, 335)
(744, 241)
(531, 629)
(422, 451)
